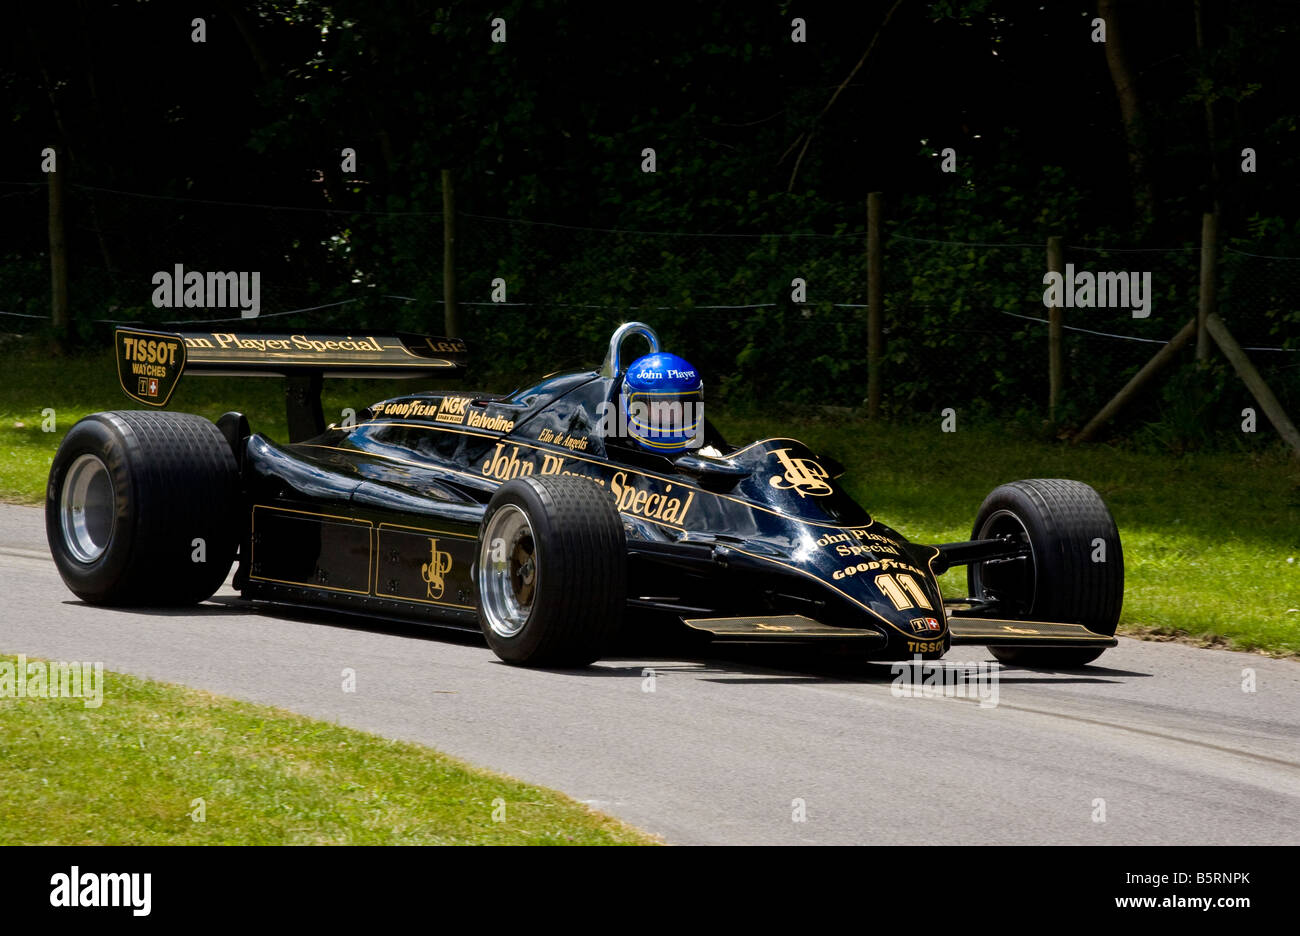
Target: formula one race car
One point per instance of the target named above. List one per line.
(532, 516)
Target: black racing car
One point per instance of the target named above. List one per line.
(531, 516)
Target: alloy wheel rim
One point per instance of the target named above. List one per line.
(508, 571)
(87, 508)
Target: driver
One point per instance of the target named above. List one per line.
(662, 399)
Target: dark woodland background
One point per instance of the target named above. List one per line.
(225, 155)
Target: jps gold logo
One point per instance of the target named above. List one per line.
(439, 564)
(802, 475)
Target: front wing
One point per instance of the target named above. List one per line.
(964, 630)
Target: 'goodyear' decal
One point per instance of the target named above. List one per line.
(886, 564)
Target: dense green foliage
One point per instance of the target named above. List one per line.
(765, 151)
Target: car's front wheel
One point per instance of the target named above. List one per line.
(141, 508)
(1073, 570)
(551, 571)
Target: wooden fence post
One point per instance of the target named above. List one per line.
(1252, 379)
(1055, 322)
(1205, 299)
(451, 321)
(1149, 370)
(875, 297)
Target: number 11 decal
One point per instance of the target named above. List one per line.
(903, 591)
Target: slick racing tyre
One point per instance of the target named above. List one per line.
(1074, 572)
(141, 508)
(551, 571)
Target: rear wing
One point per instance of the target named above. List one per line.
(150, 363)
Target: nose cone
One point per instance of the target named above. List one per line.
(887, 578)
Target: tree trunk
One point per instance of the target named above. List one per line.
(58, 259)
(1130, 107)
(1211, 135)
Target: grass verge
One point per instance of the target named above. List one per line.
(130, 771)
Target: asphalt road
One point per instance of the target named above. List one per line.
(1160, 741)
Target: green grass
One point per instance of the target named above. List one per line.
(128, 773)
(1206, 536)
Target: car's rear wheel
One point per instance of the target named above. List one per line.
(141, 508)
(1073, 571)
(551, 571)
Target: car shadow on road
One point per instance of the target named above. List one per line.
(795, 665)
(645, 654)
(234, 606)
(211, 607)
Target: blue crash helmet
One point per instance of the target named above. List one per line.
(662, 400)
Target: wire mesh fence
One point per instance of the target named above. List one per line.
(764, 316)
